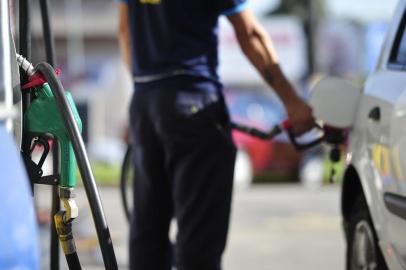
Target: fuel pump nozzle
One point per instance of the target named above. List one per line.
(43, 118)
(53, 112)
(43, 121)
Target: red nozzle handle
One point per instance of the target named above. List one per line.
(302, 146)
(38, 79)
(286, 125)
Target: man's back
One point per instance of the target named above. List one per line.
(176, 35)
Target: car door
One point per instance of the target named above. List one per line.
(384, 110)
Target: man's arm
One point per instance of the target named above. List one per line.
(258, 47)
(124, 34)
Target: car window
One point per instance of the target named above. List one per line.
(398, 55)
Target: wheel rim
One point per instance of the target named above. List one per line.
(363, 248)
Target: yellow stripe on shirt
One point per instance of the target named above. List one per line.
(150, 2)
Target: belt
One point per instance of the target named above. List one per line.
(160, 76)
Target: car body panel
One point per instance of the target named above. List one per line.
(378, 147)
(390, 36)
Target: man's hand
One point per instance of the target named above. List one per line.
(300, 116)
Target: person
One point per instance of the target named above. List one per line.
(184, 154)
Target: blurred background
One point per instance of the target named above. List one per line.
(313, 38)
(271, 224)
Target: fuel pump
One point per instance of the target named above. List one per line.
(42, 120)
(51, 121)
(52, 114)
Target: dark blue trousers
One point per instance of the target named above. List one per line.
(184, 162)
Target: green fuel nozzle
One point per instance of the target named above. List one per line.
(43, 117)
(52, 111)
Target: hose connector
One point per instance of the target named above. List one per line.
(64, 230)
(71, 208)
(25, 65)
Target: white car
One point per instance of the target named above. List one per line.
(374, 184)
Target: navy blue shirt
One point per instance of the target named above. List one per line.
(171, 37)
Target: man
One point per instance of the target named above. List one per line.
(184, 154)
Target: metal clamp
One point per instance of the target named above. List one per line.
(64, 219)
(64, 230)
(71, 208)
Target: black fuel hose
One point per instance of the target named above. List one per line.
(25, 50)
(56, 203)
(48, 36)
(24, 43)
(56, 207)
(73, 261)
(124, 181)
(89, 183)
(25, 29)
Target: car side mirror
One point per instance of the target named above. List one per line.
(335, 102)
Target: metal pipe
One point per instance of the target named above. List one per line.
(25, 65)
(6, 64)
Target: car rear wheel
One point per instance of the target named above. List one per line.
(363, 251)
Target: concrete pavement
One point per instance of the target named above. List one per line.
(285, 227)
(272, 227)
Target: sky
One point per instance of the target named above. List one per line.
(363, 10)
